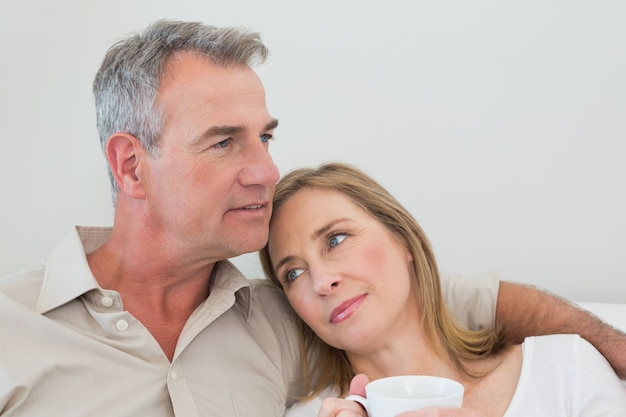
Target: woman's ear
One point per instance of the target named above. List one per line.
(409, 257)
(124, 153)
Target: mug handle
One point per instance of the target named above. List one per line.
(359, 399)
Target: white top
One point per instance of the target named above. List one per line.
(561, 376)
(564, 375)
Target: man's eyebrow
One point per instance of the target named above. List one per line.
(233, 130)
(222, 131)
(271, 125)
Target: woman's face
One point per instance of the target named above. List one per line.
(344, 273)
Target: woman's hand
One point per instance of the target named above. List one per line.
(338, 407)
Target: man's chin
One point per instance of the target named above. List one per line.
(254, 244)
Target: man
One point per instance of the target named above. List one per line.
(147, 318)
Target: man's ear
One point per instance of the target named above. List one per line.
(125, 154)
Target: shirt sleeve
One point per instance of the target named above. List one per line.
(471, 298)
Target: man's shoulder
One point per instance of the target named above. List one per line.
(263, 284)
(265, 289)
(270, 298)
(24, 285)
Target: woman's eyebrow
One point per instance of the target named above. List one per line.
(315, 235)
(324, 229)
(283, 261)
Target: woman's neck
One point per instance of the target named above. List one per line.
(411, 353)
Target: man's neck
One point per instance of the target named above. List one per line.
(157, 289)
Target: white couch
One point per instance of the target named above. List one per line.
(614, 314)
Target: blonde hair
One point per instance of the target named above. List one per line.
(327, 365)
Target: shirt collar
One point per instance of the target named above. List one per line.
(227, 277)
(68, 275)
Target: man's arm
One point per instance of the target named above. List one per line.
(526, 311)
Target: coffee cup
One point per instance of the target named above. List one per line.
(388, 397)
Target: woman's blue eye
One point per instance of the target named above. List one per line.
(335, 240)
(293, 274)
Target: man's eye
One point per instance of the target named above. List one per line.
(266, 137)
(336, 239)
(223, 144)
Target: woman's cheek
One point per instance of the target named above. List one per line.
(301, 304)
(374, 258)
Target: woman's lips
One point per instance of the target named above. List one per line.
(345, 309)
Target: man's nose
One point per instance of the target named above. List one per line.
(259, 167)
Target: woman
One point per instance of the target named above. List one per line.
(360, 272)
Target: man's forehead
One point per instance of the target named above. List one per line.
(194, 81)
(185, 63)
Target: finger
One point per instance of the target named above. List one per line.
(358, 383)
(338, 407)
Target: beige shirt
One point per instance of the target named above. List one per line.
(68, 348)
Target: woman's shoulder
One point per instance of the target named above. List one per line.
(567, 367)
(556, 344)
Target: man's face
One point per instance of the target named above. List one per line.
(210, 188)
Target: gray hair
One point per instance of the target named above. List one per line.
(128, 81)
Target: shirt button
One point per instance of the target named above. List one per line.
(122, 325)
(107, 301)
(174, 375)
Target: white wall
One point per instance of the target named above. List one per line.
(501, 125)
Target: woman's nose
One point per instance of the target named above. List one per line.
(325, 281)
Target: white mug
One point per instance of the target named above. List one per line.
(388, 397)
